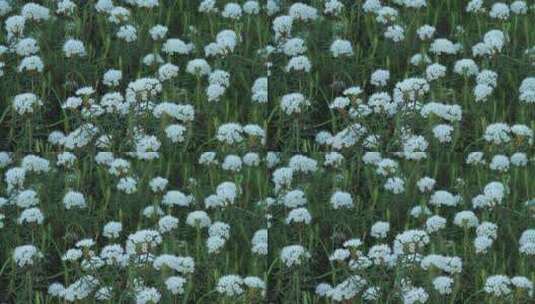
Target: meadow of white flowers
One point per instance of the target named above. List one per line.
(267, 151)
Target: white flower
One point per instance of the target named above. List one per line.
(158, 184)
(27, 47)
(176, 46)
(232, 11)
(282, 26)
(214, 244)
(395, 185)
(426, 184)
(466, 67)
(26, 255)
(148, 295)
(219, 229)
(499, 10)
(322, 289)
(482, 244)
(482, 92)
(333, 7)
(441, 46)
(31, 215)
(380, 230)
(299, 215)
(435, 223)
(207, 6)
(14, 178)
(167, 224)
(519, 159)
(219, 77)
(521, 282)
(127, 33)
(255, 283)
(340, 199)
(303, 164)
(5, 8)
(466, 219)
(371, 6)
(112, 230)
(26, 103)
(497, 133)
(230, 285)
(175, 284)
(142, 241)
(177, 198)
(475, 6)
(176, 133)
(230, 133)
(56, 289)
(14, 25)
(451, 265)
(127, 184)
(340, 48)
(443, 284)
(498, 285)
(112, 78)
(443, 133)
(435, 71)
(80, 289)
(74, 199)
(299, 63)
(232, 163)
(31, 64)
(301, 11)
(426, 32)
(419, 59)
(198, 67)
(294, 47)
(352, 243)
(444, 198)
(251, 159)
(66, 159)
(74, 47)
(72, 255)
(198, 219)
(158, 32)
(396, 33)
(26, 199)
(487, 229)
(379, 78)
(251, 7)
(451, 113)
(142, 89)
(183, 265)
(294, 198)
(208, 158)
(415, 295)
(294, 103)
(519, 7)
(386, 14)
(227, 192)
(260, 242)
(294, 255)
(348, 289)
(410, 89)
(167, 71)
(499, 163)
(409, 241)
(34, 11)
(333, 159)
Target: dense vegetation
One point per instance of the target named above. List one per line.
(324, 151)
